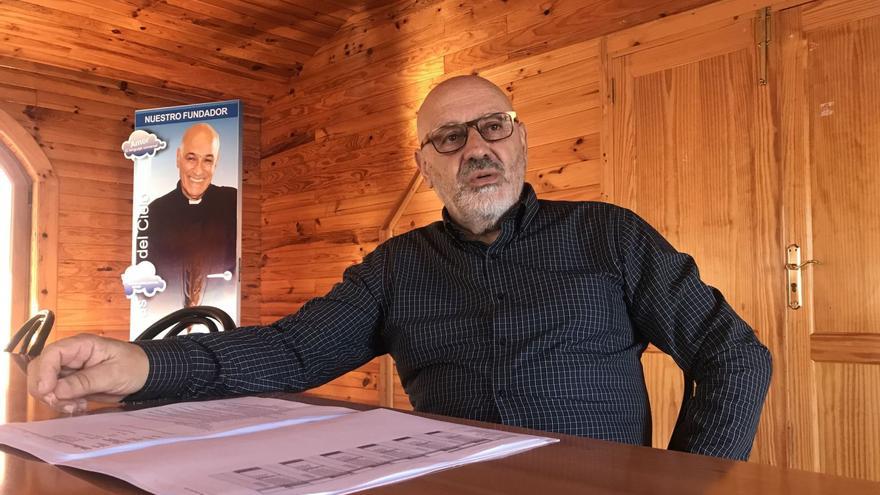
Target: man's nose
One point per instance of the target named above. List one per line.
(201, 165)
(476, 146)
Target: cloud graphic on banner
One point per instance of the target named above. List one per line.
(142, 144)
(142, 279)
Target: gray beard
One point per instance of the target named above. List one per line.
(481, 212)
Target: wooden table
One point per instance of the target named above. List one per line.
(572, 466)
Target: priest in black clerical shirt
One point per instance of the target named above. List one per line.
(192, 229)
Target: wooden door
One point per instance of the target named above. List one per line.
(830, 93)
(735, 152)
(690, 149)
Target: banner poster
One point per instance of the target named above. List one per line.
(186, 211)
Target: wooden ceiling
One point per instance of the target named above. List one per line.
(216, 48)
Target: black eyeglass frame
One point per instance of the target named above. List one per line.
(471, 123)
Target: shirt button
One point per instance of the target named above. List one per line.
(502, 340)
(501, 393)
(500, 296)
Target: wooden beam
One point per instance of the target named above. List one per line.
(393, 218)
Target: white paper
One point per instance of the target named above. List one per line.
(57, 440)
(343, 453)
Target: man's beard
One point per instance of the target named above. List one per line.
(481, 206)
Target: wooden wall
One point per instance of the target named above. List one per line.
(80, 120)
(337, 150)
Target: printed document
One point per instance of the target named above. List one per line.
(268, 446)
(58, 440)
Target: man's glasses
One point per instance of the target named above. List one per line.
(452, 137)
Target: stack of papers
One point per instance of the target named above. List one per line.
(254, 445)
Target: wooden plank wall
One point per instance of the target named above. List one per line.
(80, 120)
(337, 150)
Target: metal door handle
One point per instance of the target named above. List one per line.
(792, 266)
(795, 282)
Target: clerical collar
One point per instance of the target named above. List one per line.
(194, 201)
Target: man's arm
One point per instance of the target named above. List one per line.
(329, 336)
(677, 312)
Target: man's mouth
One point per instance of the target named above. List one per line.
(197, 180)
(483, 177)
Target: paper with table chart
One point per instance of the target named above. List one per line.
(255, 445)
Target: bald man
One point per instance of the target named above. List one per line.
(192, 230)
(511, 309)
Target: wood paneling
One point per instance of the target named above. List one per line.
(209, 49)
(79, 121)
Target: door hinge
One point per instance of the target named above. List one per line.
(764, 36)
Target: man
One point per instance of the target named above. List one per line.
(193, 229)
(512, 310)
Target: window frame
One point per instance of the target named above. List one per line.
(20, 236)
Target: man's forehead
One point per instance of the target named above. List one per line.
(460, 104)
(465, 113)
(200, 140)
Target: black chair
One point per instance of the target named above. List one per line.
(180, 320)
(39, 326)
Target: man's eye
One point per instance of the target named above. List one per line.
(452, 137)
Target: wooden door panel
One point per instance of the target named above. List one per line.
(848, 410)
(844, 103)
(842, 52)
(692, 154)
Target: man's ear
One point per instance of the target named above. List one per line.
(420, 163)
(523, 136)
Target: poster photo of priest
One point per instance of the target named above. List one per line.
(192, 219)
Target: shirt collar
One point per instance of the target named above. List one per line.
(520, 214)
(185, 199)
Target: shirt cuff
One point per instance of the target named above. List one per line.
(170, 370)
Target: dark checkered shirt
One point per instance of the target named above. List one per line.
(544, 329)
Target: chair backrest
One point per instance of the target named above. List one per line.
(182, 319)
(37, 328)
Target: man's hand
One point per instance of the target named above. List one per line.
(86, 367)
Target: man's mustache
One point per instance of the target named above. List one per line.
(478, 164)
